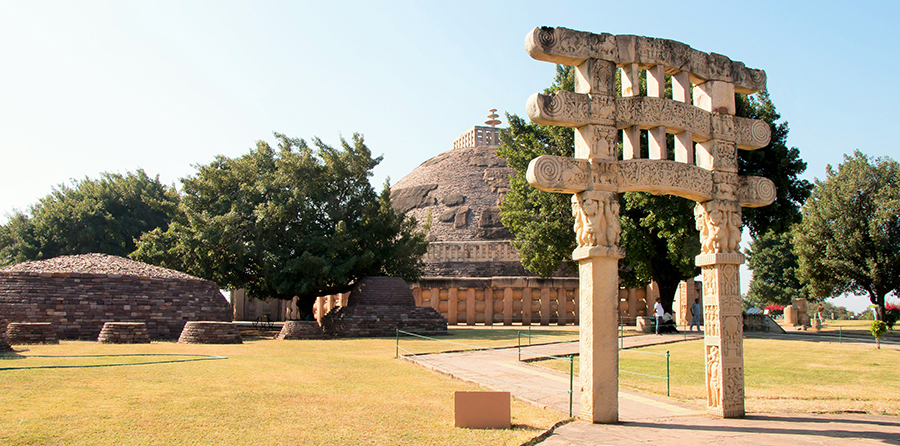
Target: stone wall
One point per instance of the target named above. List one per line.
(506, 300)
(78, 305)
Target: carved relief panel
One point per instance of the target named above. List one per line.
(596, 218)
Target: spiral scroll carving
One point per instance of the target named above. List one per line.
(760, 132)
(547, 37)
(548, 170)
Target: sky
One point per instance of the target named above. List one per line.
(113, 86)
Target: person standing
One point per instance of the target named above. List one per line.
(695, 314)
(658, 309)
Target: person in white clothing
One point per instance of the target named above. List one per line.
(658, 309)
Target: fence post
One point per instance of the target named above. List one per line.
(841, 334)
(571, 380)
(668, 377)
(397, 353)
(519, 344)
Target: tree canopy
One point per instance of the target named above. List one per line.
(289, 221)
(774, 266)
(849, 238)
(776, 162)
(105, 216)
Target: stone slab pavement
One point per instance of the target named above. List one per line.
(648, 419)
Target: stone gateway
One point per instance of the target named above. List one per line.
(703, 168)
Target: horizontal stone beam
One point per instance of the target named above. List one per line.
(664, 177)
(754, 192)
(570, 47)
(560, 174)
(568, 109)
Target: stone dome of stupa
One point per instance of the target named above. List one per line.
(460, 191)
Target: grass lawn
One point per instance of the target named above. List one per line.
(780, 376)
(337, 392)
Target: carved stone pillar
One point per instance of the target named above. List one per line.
(719, 225)
(597, 229)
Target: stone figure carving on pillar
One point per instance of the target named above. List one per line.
(596, 218)
(595, 177)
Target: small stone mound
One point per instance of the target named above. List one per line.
(95, 264)
(4, 342)
(379, 306)
(206, 332)
(124, 333)
(301, 330)
(20, 333)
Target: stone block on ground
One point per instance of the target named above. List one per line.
(208, 332)
(124, 333)
(19, 333)
(301, 330)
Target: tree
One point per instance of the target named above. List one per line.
(295, 221)
(776, 162)
(774, 267)
(541, 222)
(104, 216)
(849, 238)
(660, 240)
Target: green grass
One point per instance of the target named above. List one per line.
(780, 376)
(336, 392)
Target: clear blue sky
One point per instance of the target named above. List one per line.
(112, 86)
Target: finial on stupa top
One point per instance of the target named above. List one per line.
(492, 118)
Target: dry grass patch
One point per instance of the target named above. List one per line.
(266, 392)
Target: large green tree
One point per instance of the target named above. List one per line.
(104, 215)
(296, 220)
(770, 258)
(776, 162)
(775, 266)
(849, 238)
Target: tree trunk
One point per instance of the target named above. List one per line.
(667, 292)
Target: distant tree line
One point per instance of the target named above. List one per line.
(293, 220)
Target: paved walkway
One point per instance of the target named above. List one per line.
(649, 419)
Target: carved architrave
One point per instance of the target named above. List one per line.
(569, 109)
(750, 134)
(559, 174)
(665, 177)
(596, 218)
(676, 116)
(755, 191)
(719, 223)
(570, 47)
